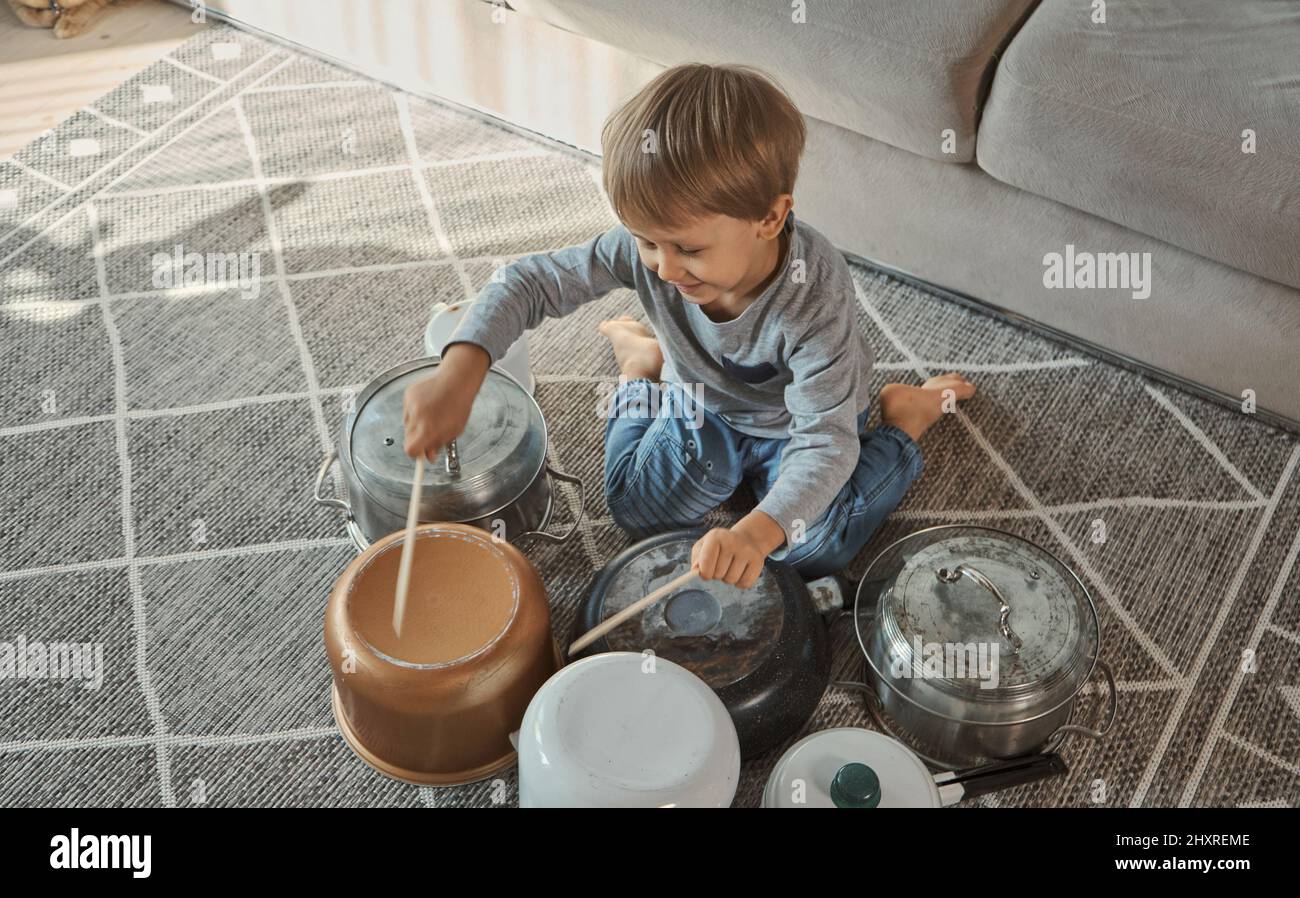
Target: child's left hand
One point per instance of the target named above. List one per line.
(726, 555)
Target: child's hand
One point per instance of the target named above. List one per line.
(436, 409)
(723, 554)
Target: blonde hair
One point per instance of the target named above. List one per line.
(700, 140)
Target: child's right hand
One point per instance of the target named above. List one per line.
(436, 409)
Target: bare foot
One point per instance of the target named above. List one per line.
(635, 348)
(914, 409)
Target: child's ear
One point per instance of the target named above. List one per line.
(774, 220)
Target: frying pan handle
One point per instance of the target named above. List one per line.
(998, 776)
(319, 496)
(826, 594)
(1004, 610)
(582, 509)
(1110, 718)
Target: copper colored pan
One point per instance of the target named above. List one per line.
(436, 706)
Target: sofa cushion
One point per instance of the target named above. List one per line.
(958, 227)
(1140, 120)
(900, 71)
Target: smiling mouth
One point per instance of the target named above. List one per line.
(687, 286)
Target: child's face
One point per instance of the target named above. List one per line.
(714, 257)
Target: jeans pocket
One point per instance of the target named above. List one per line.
(699, 473)
(696, 476)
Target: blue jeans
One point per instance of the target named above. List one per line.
(669, 461)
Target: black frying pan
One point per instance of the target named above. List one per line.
(763, 650)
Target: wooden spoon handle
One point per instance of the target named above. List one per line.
(605, 626)
(408, 548)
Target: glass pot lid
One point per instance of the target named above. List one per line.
(952, 598)
(501, 451)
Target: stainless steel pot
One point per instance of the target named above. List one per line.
(977, 644)
(494, 475)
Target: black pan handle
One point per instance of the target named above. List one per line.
(1004, 774)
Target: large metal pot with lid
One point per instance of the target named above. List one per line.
(977, 645)
(493, 476)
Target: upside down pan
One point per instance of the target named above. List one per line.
(763, 650)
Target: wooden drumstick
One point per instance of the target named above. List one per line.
(605, 626)
(408, 547)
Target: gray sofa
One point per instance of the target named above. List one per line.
(962, 142)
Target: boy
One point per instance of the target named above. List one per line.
(755, 316)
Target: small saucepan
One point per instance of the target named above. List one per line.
(763, 650)
(850, 767)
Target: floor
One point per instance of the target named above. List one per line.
(44, 80)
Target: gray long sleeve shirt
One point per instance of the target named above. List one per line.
(794, 364)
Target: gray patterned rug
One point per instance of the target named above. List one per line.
(160, 437)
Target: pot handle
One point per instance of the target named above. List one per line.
(872, 702)
(582, 508)
(826, 594)
(321, 498)
(1004, 610)
(1110, 718)
(997, 776)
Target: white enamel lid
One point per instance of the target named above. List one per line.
(803, 776)
(622, 729)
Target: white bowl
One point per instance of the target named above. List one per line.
(623, 729)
